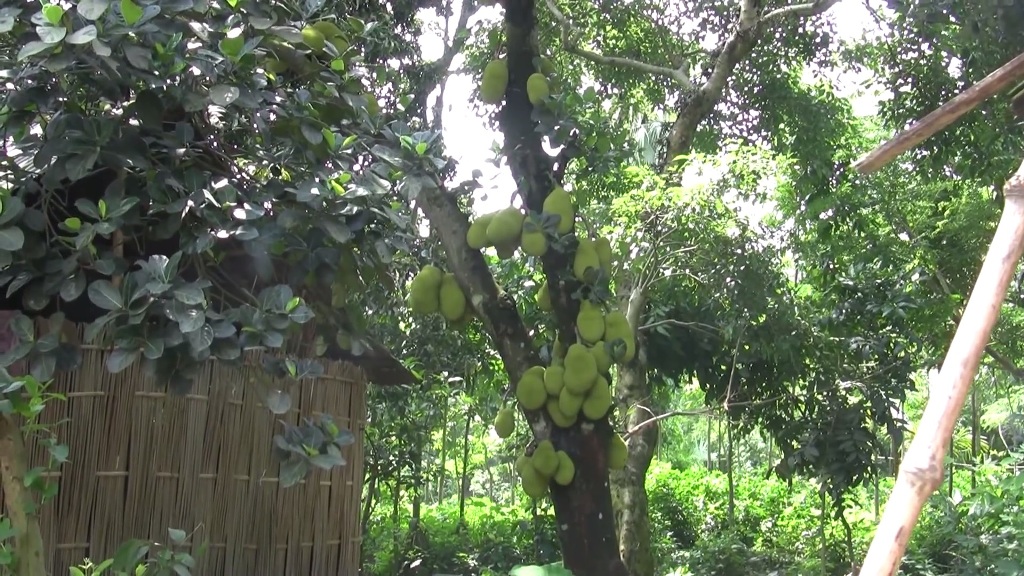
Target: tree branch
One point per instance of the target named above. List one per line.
(679, 75)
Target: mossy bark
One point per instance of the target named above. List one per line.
(20, 504)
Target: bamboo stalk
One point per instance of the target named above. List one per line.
(921, 472)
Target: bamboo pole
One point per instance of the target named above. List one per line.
(920, 474)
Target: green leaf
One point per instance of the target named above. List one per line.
(278, 401)
(103, 294)
(190, 295)
(60, 452)
(51, 34)
(12, 239)
(53, 13)
(231, 46)
(82, 35)
(224, 95)
(92, 9)
(121, 358)
(32, 48)
(177, 536)
(293, 471)
(131, 12)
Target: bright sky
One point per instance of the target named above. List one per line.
(469, 140)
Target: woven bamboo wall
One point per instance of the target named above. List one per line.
(142, 461)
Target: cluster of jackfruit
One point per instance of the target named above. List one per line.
(592, 254)
(537, 470)
(509, 229)
(433, 290)
(539, 86)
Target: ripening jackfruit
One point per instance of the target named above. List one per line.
(544, 298)
(505, 226)
(425, 290)
(603, 246)
(494, 82)
(590, 321)
(570, 403)
(313, 38)
(617, 453)
(617, 326)
(452, 300)
(341, 45)
(504, 423)
(559, 202)
(476, 236)
(547, 67)
(537, 89)
(561, 419)
(535, 485)
(601, 357)
(580, 369)
(598, 400)
(545, 459)
(534, 243)
(553, 379)
(566, 469)
(530, 391)
(586, 257)
(523, 462)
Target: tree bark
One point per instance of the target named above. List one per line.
(21, 506)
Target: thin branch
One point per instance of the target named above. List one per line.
(679, 75)
(805, 10)
(942, 116)
(660, 417)
(671, 322)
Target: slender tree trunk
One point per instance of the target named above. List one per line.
(443, 456)
(21, 506)
(464, 484)
(628, 485)
(729, 455)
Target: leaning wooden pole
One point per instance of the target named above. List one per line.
(921, 472)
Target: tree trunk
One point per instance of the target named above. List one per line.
(21, 506)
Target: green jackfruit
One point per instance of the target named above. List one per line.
(566, 469)
(617, 326)
(617, 453)
(590, 321)
(553, 379)
(523, 462)
(327, 28)
(558, 349)
(494, 82)
(530, 391)
(340, 44)
(544, 298)
(534, 243)
(537, 89)
(504, 423)
(598, 400)
(580, 369)
(601, 357)
(557, 416)
(506, 251)
(560, 202)
(452, 300)
(425, 290)
(547, 67)
(535, 485)
(569, 403)
(505, 227)
(476, 236)
(313, 38)
(586, 257)
(545, 459)
(603, 246)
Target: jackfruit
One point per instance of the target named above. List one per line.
(559, 202)
(535, 485)
(313, 38)
(547, 67)
(425, 290)
(327, 28)
(530, 391)
(340, 44)
(558, 349)
(544, 298)
(617, 453)
(534, 243)
(537, 89)
(494, 82)
(617, 326)
(601, 357)
(580, 369)
(523, 462)
(566, 469)
(506, 251)
(553, 379)
(557, 416)
(586, 257)
(476, 236)
(598, 400)
(505, 227)
(590, 321)
(603, 246)
(545, 459)
(504, 423)
(452, 300)
(570, 403)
